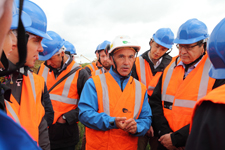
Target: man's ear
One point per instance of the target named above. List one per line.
(150, 43)
(110, 58)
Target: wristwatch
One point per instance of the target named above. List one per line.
(64, 117)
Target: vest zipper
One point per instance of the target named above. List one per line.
(122, 85)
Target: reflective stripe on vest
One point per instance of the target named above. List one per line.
(10, 109)
(142, 69)
(92, 67)
(137, 98)
(45, 73)
(98, 72)
(182, 102)
(31, 77)
(151, 88)
(106, 107)
(64, 97)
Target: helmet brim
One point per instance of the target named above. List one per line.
(190, 41)
(37, 32)
(44, 58)
(137, 48)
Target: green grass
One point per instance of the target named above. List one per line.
(81, 130)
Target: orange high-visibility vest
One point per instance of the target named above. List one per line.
(112, 101)
(92, 66)
(217, 95)
(145, 75)
(30, 111)
(183, 94)
(96, 72)
(64, 96)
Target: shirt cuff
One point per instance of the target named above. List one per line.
(112, 123)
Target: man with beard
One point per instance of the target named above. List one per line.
(103, 59)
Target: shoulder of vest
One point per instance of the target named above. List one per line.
(137, 81)
(87, 66)
(38, 77)
(94, 78)
(42, 66)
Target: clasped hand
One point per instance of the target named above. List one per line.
(129, 125)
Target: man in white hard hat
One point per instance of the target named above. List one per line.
(114, 106)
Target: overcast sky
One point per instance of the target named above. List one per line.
(87, 23)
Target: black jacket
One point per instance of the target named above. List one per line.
(4, 95)
(165, 61)
(207, 131)
(65, 135)
(49, 113)
(159, 122)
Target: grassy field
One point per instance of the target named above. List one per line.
(81, 130)
(81, 126)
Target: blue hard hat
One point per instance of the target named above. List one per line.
(164, 37)
(191, 31)
(70, 48)
(38, 17)
(216, 51)
(52, 46)
(97, 48)
(15, 18)
(102, 46)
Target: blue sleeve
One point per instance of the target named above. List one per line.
(88, 107)
(144, 120)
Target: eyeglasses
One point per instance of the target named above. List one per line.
(30, 36)
(15, 32)
(188, 48)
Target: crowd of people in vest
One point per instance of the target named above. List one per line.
(125, 100)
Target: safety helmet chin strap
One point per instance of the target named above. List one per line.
(22, 39)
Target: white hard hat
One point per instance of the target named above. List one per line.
(124, 41)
